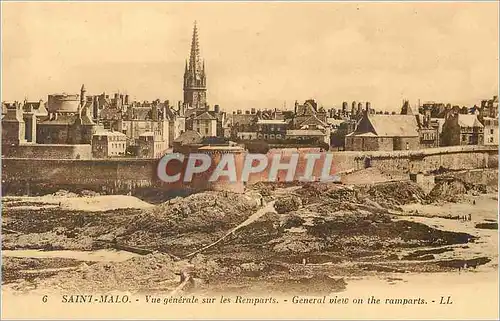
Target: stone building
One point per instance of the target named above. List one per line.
(195, 110)
(460, 129)
(69, 121)
(108, 144)
(203, 123)
(241, 125)
(13, 125)
(428, 130)
(489, 107)
(271, 129)
(312, 136)
(305, 111)
(151, 145)
(490, 131)
(384, 132)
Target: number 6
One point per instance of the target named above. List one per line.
(44, 299)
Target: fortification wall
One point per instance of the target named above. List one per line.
(41, 176)
(47, 151)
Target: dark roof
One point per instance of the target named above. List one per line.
(110, 113)
(240, 119)
(189, 137)
(66, 119)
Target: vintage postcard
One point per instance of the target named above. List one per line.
(249, 160)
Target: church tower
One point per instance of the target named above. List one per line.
(195, 90)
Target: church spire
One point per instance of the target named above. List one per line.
(195, 59)
(194, 75)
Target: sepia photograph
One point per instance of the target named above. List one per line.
(262, 160)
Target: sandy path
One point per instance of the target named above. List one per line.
(93, 203)
(269, 207)
(94, 256)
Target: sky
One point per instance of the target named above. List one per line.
(257, 55)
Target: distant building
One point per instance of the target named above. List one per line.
(187, 139)
(68, 121)
(247, 135)
(490, 131)
(489, 107)
(151, 145)
(305, 111)
(13, 126)
(428, 129)
(108, 144)
(271, 129)
(384, 132)
(460, 129)
(239, 122)
(36, 107)
(204, 123)
(309, 135)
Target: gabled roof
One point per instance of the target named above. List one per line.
(394, 125)
(313, 120)
(189, 137)
(308, 108)
(205, 116)
(468, 121)
(170, 113)
(388, 125)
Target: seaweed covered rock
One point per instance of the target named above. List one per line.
(287, 204)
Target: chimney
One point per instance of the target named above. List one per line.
(368, 106)
(344, 106)
(239, 112)
(216, 108)
(247, 112)
(253, 111)
(126, 100)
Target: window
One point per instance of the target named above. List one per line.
(491, 131)
(206, 131)
(464, 137)
(491, 139)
